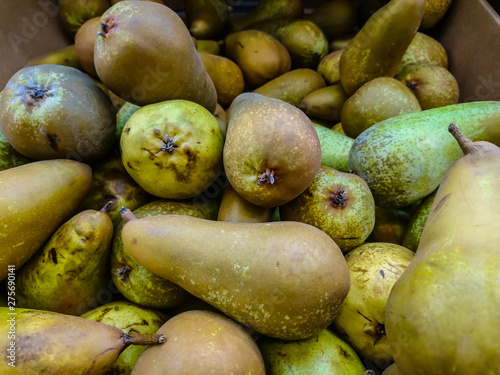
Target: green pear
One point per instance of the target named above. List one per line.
(272, 151)
(122, 117)
(424, 50)
(9, 156)
(129, 318)
(338, 203)
(281, 279)
(270, 10)
(451, 286)
(325, 103)
(390, 225)
(335, 18)
(433, 86)
(208, 46)
(293, 86)
(38, 196)
(375, 101)
(321, 354)
(55, 343)
(376, 50)
(137, 283)
(73, 13)
(416, 225)
(403, 158)
(71, 269)
(172, 149)
(374, 269)
(328, 67)
(206, 18)
(199, 343)
(334, 148)
(235, 209)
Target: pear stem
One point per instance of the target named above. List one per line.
(106, 207)
(126, 214)
(465, 143)
(135, 338)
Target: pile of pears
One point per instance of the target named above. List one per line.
(279, 190)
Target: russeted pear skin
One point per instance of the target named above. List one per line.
(201, 342)
(53, 343)
(282, 279)
(145, 54)
(446, 302)
(377, 49)
(36, 199)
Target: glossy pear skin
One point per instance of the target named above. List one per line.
(451, 286)
(39, 196)
(404, 158)
(282, 279)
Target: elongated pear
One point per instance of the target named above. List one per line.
(377, 49)
(446, 302)
(270, 10)
(282, 279)
(404, 158)
(53, 343)
(36, 199)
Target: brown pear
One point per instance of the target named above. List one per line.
(236, 209)
(84, 44)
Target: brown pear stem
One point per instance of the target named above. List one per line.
(136, 338)
(106, 207)
(126, 214)
(465, 143)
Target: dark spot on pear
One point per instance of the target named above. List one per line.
(344, 353)
(53, 141)
(53, 255)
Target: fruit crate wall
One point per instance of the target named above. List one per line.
(469, 32)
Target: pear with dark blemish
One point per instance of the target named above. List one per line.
(281, 279)
(54, 343)
(172, 149)
(338, 203)
(272, 151)
(324, 353)
(71, 270)
(130, 318)
(451, 285)
(374, 268)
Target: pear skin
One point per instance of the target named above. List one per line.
(376, 50)
(424, 50)
(293, 86)
(391, 370)
(71, 269)
(451, 285)
(206, 18)
(334, 148)
(404, 158)
(434, 11)
(63, 344)
(9, 156)
(282, 279)
(84, 44)
(335, 18)
(390, 225)
(65, 56)
(202, 342)
(416, 225)
(208, 46)
(40, 196)
(235, 209)
(325, 103)
(328, 67)
(73, 13)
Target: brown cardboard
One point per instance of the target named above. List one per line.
(470, 32)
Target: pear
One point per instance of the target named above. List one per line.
(325, 103)
(172, 149)
(9, 156)
(390, 225)
(339, 129)
(206, 18)
(73, 13)
(129, 318)
(272, 151)
(134, 281)
(338, 203)
(202, 342)
(424, 50)
(293, 86)
(281, 279)
(208, 46)
(451, 286)
(40, 196)
(376, 50)
(340, 44)
(433, 86)
(321, 354)
(57, 112)
(374, 269)
(56, 343)
(334, 148)
(434, 11)
(403, 158)
(226, 76)
(144, 54)
(270, 10)
(122, 117)
(416, 225)
(112, 184)
(260, 56)
(84, 44)
(221, 116)
(235, 209)
(335, 18)
(63, 56)
(375, 101)
(328, 67)
(391, 370)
